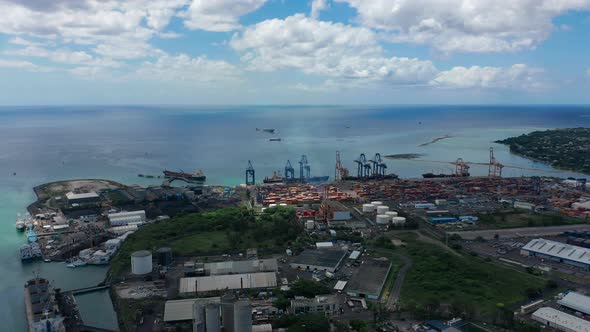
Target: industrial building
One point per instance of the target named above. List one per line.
(182, 310)
(323, 260)
(369, 278)
(80, 198)
(126, 218)
(560, 320)
(237, 267)
(231, 281)
(577, 302)
(335, 211)
(326, 304)
(559, 252)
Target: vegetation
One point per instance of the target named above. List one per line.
(303, 323)
(517, 219)
(561, 148)
(212, 232)
(301, 287)
(467, 285)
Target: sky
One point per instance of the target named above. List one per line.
(294, 52)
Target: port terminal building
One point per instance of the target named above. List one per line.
(369, 279)
(558, 252)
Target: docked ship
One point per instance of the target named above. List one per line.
(274, 139)
(41, 307)
(315, 179)
(196, 176)
(275, 178)
(441, 175)
(20, 225)
(29, 252)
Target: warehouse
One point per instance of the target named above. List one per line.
(237, 267)
(323, 260)
(369, 279)
(125, 218)
(78, 198)
(560, 320)
(577, 302)
(182, 310)
(557, 251)
(232, 281)
(326, 304)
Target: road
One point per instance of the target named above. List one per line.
(399, 282)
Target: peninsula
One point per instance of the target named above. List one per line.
(560, 148)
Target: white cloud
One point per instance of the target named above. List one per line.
(218, 15)
(327, 49)
(518, 76)
(24, 65)
(65, 56)
(184, 68)
(317, 6)
(588, 72)
(465, 25)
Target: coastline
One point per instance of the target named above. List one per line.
(437, 139)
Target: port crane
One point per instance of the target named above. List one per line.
(250, 175)
(379, 167)
(363, 166)
(304, 169)
(340, 172)
(495, 168)
(289, 171)
(461, 167)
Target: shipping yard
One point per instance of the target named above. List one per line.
(340, 249)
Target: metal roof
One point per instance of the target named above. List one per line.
(561, 319)
(576, 301)
(231, 281)
(72, 195)
(340, 285)
(179, 310)
(558, 249)
(249, 266)
(355, 254)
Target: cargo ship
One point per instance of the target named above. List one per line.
(441, 175)
(41, 307)
(315, 179)
(266, 130)
(274, 139)
(275, 178)
(196, 176)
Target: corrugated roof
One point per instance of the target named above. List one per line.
(340, 285)
(73, 195)
(355, 254)
(232, 281)
(558, 249)
(576, 301)
(250, 266)
(562, 319)
(179, 310)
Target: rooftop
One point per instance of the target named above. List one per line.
(231, 281)
(319, 299)
(576, 301)
(250, 266)
(72, 195)
(560, 318)
(369, 277)
(325, 258)
(337, 206)
(558, 249)
(179, 310)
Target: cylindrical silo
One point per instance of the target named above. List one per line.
(382, 219)
(198, 318)
(227, 312)
(376, 203)
(164, 256)
(367, 208)
(212, 320)
(243, 316)
(391, 214)
(399, 220)
(141, 262)
(381, 209)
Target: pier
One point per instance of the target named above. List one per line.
(86, 290)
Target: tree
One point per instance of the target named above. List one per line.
(359, 325)
(308, 288)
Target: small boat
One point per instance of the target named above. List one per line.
(20, 225)
(149, 176)
(266, 130)
(76, 263)
(274, 139)
(47, 260)
(140, 175)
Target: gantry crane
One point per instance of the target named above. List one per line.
(289, 171)
(495, 168)
(250, 175)
(340, 172)
(304, 169)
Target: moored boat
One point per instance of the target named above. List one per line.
(196, 176)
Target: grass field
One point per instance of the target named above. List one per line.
(201, 242)
(523, 219)
(464, 282)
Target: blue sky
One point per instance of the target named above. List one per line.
(294, 52)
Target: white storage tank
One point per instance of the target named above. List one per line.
(381, 209)
(310, 224)
(141, 262)
(399, 220)
(368, 208)
(391, 214)
(376, 203)
(382, 219)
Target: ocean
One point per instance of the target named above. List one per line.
(42, 144)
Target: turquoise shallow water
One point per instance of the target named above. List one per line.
(43, 144)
